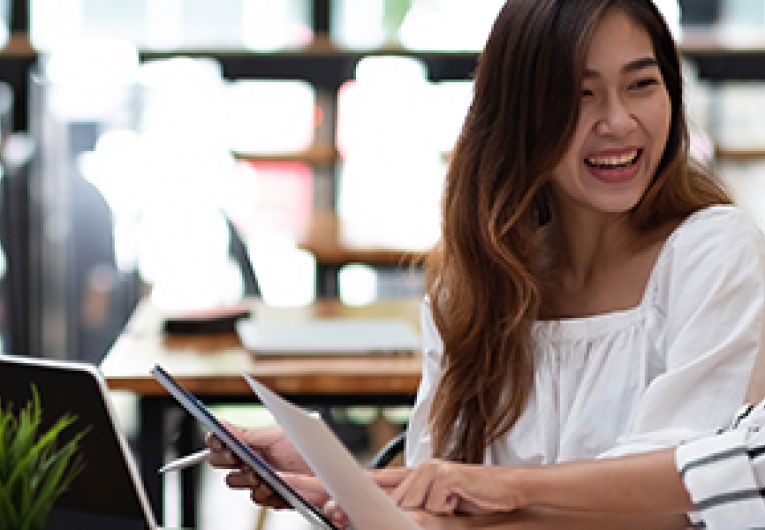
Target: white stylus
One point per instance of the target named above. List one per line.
(186, 461)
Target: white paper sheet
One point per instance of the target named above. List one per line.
(368, 507)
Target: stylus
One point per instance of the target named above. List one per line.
(186, 461)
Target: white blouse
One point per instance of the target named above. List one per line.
(671, 369)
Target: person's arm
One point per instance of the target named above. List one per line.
(540, 519)
(644, 483)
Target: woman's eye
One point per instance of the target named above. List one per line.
(586, 92)
(643, 83)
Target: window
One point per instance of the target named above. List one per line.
(174, 24)
(443, 25)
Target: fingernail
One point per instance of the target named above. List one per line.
(337, 516)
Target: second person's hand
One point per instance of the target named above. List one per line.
(272, 446)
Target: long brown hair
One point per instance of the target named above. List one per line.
(485, 277)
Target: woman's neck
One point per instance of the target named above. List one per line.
(600, 264)
(586, 242)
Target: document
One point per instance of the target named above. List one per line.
(368, 507)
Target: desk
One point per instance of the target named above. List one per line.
(211, 367)
(323, 239)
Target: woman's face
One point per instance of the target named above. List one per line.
(623, 124)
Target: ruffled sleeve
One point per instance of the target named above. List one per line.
(711, 298)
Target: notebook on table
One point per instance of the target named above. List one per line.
(328, 337)
(108, 492)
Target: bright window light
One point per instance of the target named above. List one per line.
(443, 25)
(744, 13)
(451, 100)
(391, 160)
(357, 284)
(742, 115)
(175, 192)
(4, 21)
(174, 24)
(91, 79)
(270, 116)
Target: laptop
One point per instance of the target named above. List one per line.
(108, 493)
(328, 337)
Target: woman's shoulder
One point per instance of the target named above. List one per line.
(719, 241)
(724, 225)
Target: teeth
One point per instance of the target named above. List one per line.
(614, 161)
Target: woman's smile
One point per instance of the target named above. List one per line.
(615, 165)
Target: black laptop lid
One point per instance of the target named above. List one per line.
(107, 494)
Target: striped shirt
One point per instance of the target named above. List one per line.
(725, 473)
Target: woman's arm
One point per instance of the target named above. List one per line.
(538, 519)
(644, 483)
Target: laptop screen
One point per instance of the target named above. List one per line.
(107, 493)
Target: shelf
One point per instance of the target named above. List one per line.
(325, 156)
(721, 41)
(323, 239)
(18, 45)
(724, 56)
(323, 66)
(739, 155)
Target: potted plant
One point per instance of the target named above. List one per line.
(35, 468)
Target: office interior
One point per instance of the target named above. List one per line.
(194, 153)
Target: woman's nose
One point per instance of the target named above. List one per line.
(616, 118)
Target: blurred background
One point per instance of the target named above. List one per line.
(198, 151)
(202, 151)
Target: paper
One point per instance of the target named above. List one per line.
(368, 507)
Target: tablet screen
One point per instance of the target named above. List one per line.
(197, 409)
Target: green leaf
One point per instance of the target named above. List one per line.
(34, 472)
(28, 424)
(8, 511)
(45, 441)
(54, 484)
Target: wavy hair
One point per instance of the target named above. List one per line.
(486, 277)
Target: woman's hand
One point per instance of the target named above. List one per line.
(271, 444)
(443, 487)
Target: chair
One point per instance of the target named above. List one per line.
(238, 251)
(389, 452)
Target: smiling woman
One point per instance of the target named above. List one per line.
(594, 293)
(624, 120)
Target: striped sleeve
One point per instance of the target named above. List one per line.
(725, 473)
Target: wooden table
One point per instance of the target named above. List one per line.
(323, 239)
(211, 367)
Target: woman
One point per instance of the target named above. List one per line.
(594, 293)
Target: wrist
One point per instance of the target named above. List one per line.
(523, 486)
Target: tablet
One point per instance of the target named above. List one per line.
(197, 409)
